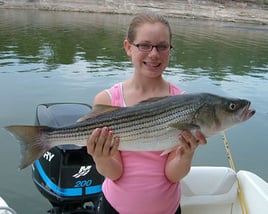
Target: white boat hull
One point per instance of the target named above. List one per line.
(4, 208)
(210, 190)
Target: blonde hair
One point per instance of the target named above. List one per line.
(146, 18)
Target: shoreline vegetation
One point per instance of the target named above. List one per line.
(243, 11)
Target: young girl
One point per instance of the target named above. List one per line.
(142, 182)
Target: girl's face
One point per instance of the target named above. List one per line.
(150, 63)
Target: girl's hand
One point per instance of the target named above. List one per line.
(103, 147)
(189, 143)
(180, 160)
(102, 144)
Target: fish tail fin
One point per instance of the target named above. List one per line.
(32, 140)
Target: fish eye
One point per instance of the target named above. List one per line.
(232, 106)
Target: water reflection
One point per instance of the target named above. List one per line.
(52, 39)
(218, 52)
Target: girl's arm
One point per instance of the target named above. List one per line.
(180, 160)
(103, 146)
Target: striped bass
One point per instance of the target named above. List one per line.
(152, 125)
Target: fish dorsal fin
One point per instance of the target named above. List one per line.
(153, 99)
(98, 110)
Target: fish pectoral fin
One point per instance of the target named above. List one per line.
(98, 110)
(184, 126)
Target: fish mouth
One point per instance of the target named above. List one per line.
(245, 113)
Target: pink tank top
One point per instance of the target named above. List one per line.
(143, 187)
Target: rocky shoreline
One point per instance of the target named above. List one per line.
(230, 11)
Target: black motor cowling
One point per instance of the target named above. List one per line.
(66, 175)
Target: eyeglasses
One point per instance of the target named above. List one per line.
(148, 48)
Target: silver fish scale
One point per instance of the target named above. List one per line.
(148, 126)
(140, 124)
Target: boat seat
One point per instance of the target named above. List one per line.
(209, 190)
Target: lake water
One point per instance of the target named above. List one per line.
(69, 57)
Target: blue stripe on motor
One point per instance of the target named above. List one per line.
(58, 190)
(93, 189)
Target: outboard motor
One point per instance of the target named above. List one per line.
(66, 175)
